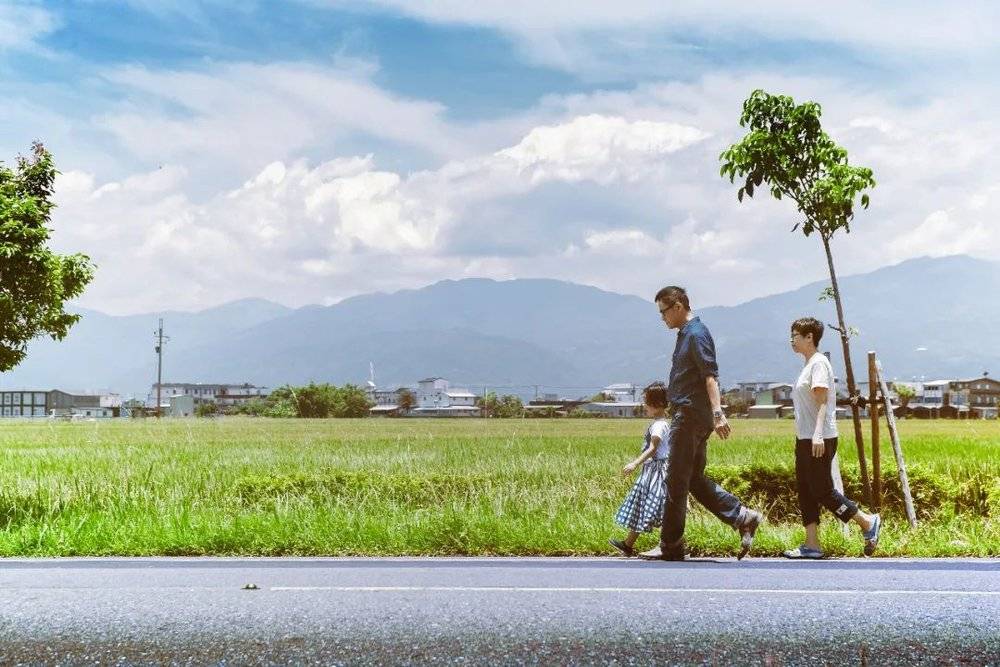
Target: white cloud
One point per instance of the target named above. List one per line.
(235, 117)
(618, 189)
(23, 24)
(598, 148)
(289, 223)
(583, 35)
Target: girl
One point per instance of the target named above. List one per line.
(814, 398)
(642, 510)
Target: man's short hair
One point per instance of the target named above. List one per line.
(672, 294)
(809, 325)
(655, 395)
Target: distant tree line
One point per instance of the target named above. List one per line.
(312, 401)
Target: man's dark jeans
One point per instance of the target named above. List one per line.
(688, 437)
(814, 475)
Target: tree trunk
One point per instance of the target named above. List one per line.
(849, 372)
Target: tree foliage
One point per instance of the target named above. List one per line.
(906, 394)
(787, 151)
(35, 283)
(503, 406)
(407, 401)
(320, 401)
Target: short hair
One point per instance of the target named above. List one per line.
(655, 395)
(672, 294)
(809, 325)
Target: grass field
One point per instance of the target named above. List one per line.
(381, 487)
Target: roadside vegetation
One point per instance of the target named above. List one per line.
(247, 486)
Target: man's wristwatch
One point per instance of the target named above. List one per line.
(717, 414)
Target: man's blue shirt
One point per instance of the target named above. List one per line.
(693, 361)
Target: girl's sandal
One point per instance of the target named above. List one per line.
(626, 550)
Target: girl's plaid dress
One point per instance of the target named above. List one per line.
(642, 509)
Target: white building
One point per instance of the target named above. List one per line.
(220, 394)
(617, 409)
(385, 402)
(622, 392)
(436, 398)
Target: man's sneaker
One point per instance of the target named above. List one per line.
(872, 535)
(626, 550)
(657, 553)
(803, 553)
(748, 528)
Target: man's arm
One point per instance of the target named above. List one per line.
(715, 399)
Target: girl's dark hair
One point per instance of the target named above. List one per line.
(809, 325)
(655, 395)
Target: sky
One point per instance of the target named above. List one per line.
(306, 151)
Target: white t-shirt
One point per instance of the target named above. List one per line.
(660, 428)
(818, 372)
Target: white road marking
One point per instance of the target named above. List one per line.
(590, 589)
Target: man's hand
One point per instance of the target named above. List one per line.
(819, 447)
(722, 427)
(628, 470)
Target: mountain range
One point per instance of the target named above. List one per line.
(930, 317)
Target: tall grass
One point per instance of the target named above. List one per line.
(341, 487)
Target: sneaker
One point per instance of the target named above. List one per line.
(657, 553)
(626, 550)
(748, 528)
(803, 553)
(872, 535)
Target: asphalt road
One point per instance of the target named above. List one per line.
(499, 611)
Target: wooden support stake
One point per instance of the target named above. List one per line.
(873, 414)
(896, 448)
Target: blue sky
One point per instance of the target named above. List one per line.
(308, 151)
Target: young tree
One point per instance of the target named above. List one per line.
(35, 283)
(407, 401)
(787, 150)
(906, 394)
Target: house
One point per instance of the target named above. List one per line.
(385, 402)
(220, 394)
(53, 403)
(935, 399)
(616, 409)
(776, 393)
(621, 392)
(180, 406)
(765, 411)
(436, 398)
(983, 395)
(745, 391)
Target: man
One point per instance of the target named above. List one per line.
(696, 411)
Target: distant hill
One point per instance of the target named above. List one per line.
(926, 317)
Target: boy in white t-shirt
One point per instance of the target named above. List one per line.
(815, 401)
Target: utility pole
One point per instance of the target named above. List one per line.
(159, 363)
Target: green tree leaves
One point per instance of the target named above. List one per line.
(787, 149)
(318, 401)
(35, 283)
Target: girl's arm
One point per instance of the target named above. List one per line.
(647, 453)
(818, 446)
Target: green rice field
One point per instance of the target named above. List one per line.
(242, 486)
